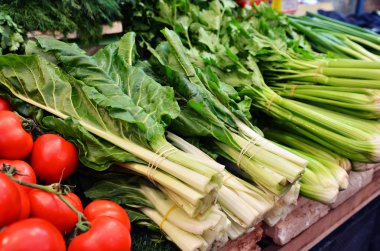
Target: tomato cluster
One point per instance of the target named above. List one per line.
(35, 217)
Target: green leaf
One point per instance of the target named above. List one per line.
(42, 84)
(155, 99)
(120, 189)
(209, 39)
(102, 89)
(127, 48)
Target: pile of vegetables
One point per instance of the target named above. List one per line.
(43, 216)
(166, 121)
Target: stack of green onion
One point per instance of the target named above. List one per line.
(331, 36)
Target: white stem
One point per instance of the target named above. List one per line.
(184, 240)
(189, 148)
(189, 194)
(238, 207)
(235, 231)
(177, 216)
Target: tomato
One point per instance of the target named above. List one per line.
(4, 105)
(50, 207)
(53, 158)
(24, 171)
(10, 201)
(31, 235)
(24, 202)
(244, 3)
(106, 233)
(107, 208)
(15, 142)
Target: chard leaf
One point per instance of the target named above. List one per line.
(127, 48)
(105, 92)
(42, 84)
(156, 100)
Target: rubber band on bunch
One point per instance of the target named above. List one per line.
(165, 217)
(260, 148)
(271, 102)
(228, 176)
(250, 143)
(160, 156)
(245, 149)
(317, 74)
(293, 90)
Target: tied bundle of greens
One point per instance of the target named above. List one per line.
(232, 50)
(348, 136)
(220, 113)
(109, 107)
(188, 233)
(97, 101)
(243, 203)
(292, 68)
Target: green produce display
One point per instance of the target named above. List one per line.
(201, 121)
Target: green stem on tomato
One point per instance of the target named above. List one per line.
(83, 224)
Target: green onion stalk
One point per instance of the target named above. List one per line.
(331, 76)
(358, 102)
(345, 46)
(312, 25)
(343, 134)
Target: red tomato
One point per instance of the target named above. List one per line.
(10, 201)
(24, 171)
(50, 207)
(243, 3)
(4, 105)
(15, 142)
(53, 158)
(25, 204)
(107, 208)
(31, 235)
(106, 233)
